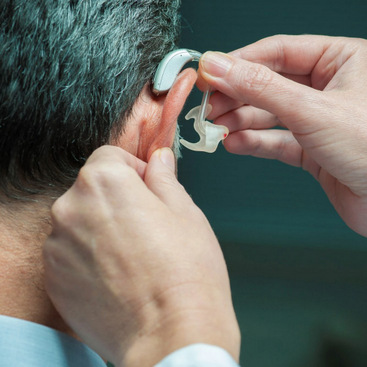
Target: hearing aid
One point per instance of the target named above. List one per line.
(169, 68)
(167, 71)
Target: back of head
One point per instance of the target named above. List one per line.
(70, 72)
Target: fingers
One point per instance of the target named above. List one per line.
(108, 175)
(161, 179)
(297, 55)
(301, 79)
(317, 58)
(112, 154)
(272, 144)
(104, 185)
(111, 181)
(221, 104)
(248, 117)
(257, 85)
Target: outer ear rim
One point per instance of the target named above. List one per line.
(152, 123)
(173, 104)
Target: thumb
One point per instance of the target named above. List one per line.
(160, 178)
(257, 85)
(163, 160)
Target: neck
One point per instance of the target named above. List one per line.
(22, 293)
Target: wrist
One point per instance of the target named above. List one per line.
(177, 331)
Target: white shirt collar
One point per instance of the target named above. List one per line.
(27, 344)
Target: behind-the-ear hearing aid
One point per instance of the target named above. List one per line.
(169, 68)
(167, 71)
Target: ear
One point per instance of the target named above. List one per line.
(153, 121)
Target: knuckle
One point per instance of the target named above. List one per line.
(104, 151)
(88, 177)
(95, 183)
(103, 174)
(65, 216)
(89, 174)
(59, 211)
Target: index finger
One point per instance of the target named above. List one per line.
(109, 153)
(297, 55)
(107, 181)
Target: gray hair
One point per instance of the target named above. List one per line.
(70, 72)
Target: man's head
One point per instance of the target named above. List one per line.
(71, 73)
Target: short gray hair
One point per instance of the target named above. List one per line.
(70, 72)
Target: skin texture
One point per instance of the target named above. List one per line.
(314, 87)
(145, 271)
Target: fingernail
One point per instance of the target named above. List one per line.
(167, 158)
(216, 64)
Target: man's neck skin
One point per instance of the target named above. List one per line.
(22, 293)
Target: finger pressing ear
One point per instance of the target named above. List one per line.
(161, 179)
(109, 154)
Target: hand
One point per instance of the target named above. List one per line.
(133, 265)
(315, 88)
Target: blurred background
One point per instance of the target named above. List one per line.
(298, 273)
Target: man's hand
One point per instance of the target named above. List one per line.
(133, 265)
(315, 88)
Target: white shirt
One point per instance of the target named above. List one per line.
(27, 344)
(199, 355)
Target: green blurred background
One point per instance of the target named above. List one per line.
(298, 272)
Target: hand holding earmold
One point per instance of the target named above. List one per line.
(314, 88)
